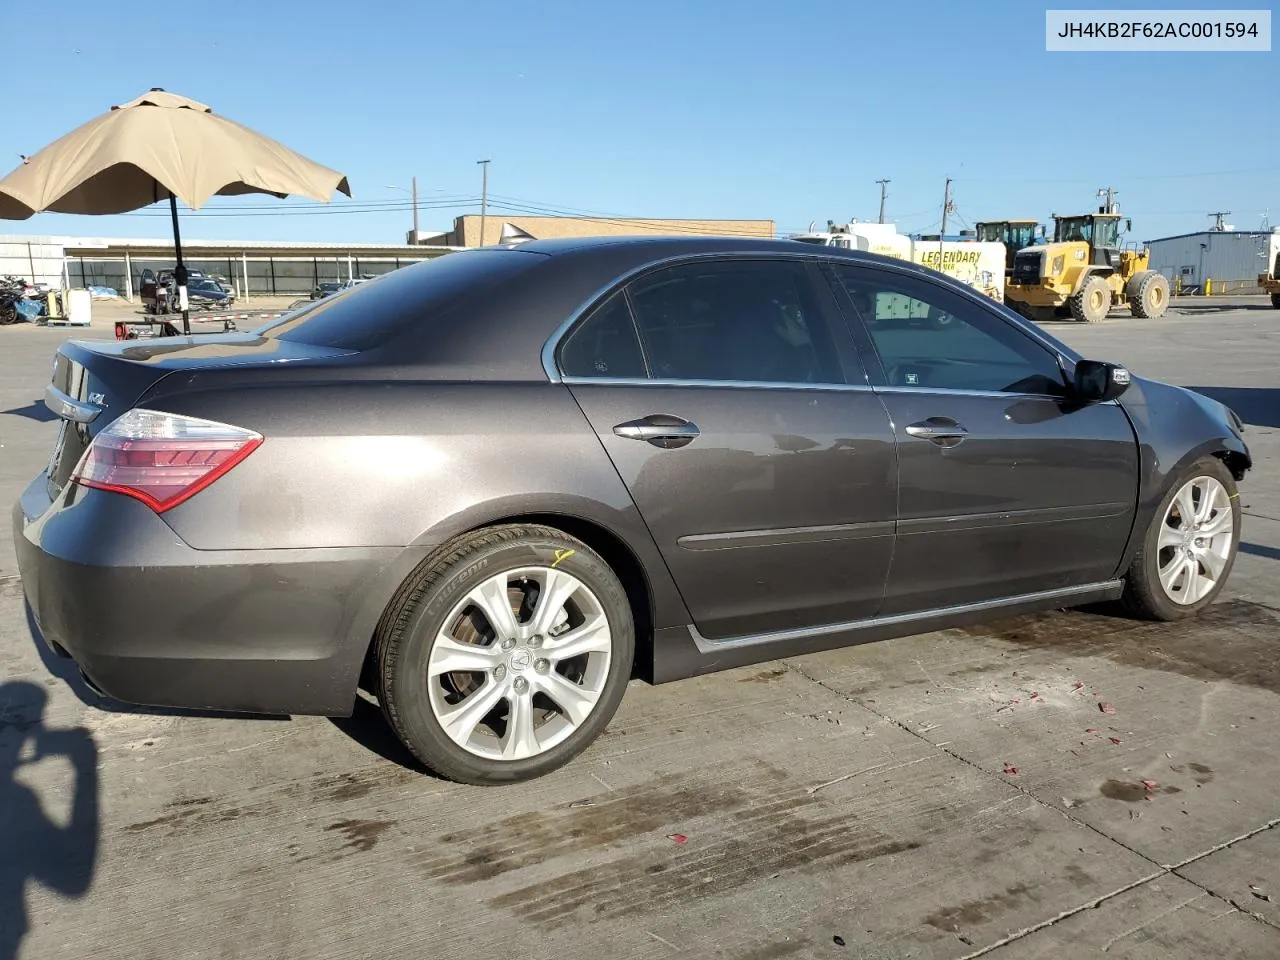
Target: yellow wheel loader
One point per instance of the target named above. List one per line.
(1270, 282)
(1014, 234)
(1083, 273)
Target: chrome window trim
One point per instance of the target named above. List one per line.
(832, 387)
(552, 344)
(729, 384)
(817, 255)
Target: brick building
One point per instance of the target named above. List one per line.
(504, 228)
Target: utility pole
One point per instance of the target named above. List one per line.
(484, 196)
(415, 209)
(1217, 219)
(884, 192)
(946, 208)
(1110, 194)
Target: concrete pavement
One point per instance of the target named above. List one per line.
(953, 795)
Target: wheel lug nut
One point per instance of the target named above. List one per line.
(499, 672)
(542, 665)
(521, 684)
(508, 643)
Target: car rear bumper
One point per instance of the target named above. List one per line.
(150, 620)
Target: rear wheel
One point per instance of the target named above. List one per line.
(1189, 547)
(1151, 297)
(1093, 301)
(506, 656)
(8, 314)
(1275, 300)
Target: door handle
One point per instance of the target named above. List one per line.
(660, 429)
(941, 430)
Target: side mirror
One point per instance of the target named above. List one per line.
(1098, 382)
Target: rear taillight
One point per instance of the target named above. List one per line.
(162, 459)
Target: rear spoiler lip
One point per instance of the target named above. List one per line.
(67, 408)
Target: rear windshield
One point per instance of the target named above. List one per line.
(373, 313)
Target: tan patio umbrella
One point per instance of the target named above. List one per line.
(159, 145)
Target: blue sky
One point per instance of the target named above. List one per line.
(700, 108)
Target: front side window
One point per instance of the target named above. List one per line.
(931, 338)
(754, 321)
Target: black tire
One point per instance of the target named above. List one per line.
(8, 314)
(1150, 297)
(1275, 300)
(1092, 302)
(416, 616)
(1144, 597)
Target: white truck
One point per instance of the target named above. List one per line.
(980, 265)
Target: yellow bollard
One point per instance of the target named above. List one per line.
(1208, 287)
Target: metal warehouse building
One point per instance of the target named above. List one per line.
(1232, 258)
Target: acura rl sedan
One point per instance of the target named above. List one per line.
(491, 488)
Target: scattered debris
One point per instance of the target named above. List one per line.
(1257, 892)
(678, 838)
(838, 940)
(1092, 730)
(1150, 784)
(1107, 707)
(1010, 769)
(1078, 685)
(583, 803)
(1114, 739)
(1069, 803)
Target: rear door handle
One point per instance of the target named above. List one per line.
(660, 429)
(942, 430)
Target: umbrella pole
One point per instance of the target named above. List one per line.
(180, 268)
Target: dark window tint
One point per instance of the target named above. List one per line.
(748, 320)
(933, 338)
(604, 345)
(374, 313)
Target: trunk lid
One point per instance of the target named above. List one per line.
(96, 381)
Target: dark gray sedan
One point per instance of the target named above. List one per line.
(491, 487)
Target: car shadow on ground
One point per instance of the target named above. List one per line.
(1258, 550)
(369, 728)
(33, 847)
(67, 671)
(1258, 406)
(36, 410)
(1198, 309)
(1231, 640)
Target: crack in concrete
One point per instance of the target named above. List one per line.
(1163, 870)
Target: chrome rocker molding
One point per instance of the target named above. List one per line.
(1109, 589)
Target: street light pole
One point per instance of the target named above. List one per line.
(415, 209)
(484, 196)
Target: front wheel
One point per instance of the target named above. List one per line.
(1189, 547)
(506, 656)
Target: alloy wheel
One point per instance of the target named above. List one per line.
(520, 663)
(1196, 540)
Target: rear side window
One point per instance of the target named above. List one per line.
(604, 346)
(752, 321)
(374, 313)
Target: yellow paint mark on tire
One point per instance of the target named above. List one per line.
(562, 556)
